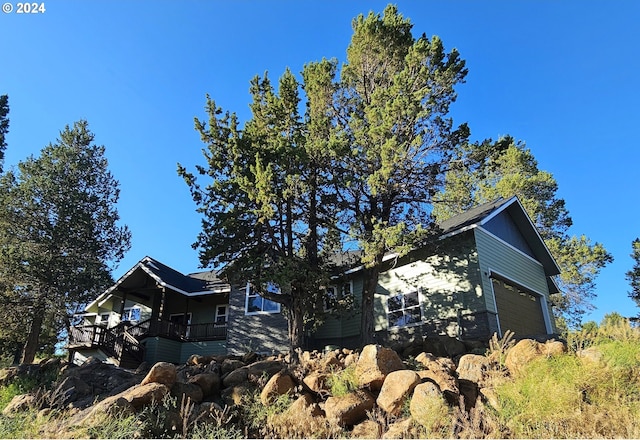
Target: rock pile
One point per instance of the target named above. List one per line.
(409, 393)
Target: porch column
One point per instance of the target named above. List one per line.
(124, 300)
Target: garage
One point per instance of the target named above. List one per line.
(518, 309)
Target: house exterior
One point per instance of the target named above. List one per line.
(489, 272)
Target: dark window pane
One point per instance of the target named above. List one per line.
(269, 306)
(395, 303)
(254, 304)
(413, 315)
(396, 319)
(411, 299)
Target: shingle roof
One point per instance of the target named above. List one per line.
(472, 216)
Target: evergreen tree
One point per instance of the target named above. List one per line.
(633, 276)
(267, 209)
(59, 234)
(485, 171)
(392, 106)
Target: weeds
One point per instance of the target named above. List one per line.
(343, 382)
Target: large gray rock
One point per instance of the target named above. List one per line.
(208, 382)
(475, 368)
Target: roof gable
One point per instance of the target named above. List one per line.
(201, 283)
(483, 214)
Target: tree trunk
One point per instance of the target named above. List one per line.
(296, 330)
(370, 284)
(33, 338)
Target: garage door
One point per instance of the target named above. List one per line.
(518, 310)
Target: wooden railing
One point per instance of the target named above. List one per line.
(209, 331)
(114, 341)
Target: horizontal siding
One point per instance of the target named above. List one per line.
(498, 256)
(162, 350)
(203, 348)
(263, 333)
(448, 284)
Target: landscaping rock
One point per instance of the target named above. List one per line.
(474, 368)
(279, 384)
(427, 406)
(397, 386)
(317, 382)
(236, 377)
(161, 372)
(208, 382)
(374, 364)
(19, 403)
(350, 409)
(184, 391)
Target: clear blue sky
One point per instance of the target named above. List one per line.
(559, 75)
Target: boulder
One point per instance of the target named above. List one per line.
(397, 386)
(317, 382)
(306, 404)
(374, 364)
(367, 429)
(238, 394)
(236, 377)
(331, 361)
(162, 372)
(19, 403)
(229, 365)
(184, 391)
(402, 429)
(265, 368)
(279, 384)
(590, 354)
(526, 350)
(349, 409)
(208, 382)
(474, 368)
(428, 407)
(452, 346)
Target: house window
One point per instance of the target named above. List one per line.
(334, 294)
(131, 314)
(222, 314)
(404, 309)
(104, 319)
(255, 304)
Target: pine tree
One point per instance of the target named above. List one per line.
(59, 234)
(633, 276)
(4, 126)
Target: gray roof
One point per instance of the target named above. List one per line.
(471, 217)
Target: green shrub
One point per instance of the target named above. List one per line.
(343, 382)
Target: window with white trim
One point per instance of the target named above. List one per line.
(104, 319)
(255, 304)
(333, 294)
(131, 314)
(222, 314)
(404, 309)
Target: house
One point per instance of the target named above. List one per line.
(489, 272)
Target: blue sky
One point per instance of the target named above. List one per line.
(559, 75)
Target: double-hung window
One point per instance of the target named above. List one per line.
(255, 304)
(404, 309)
(334, 293)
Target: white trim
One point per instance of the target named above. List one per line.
(533, 226)
(226, 314)
(511, 246)
(498, 210)
(261, 312)
(419, 306)
(543, 296)
(458, 231)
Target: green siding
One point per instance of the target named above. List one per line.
(448, 285)
(347, 324)
(495, 255)
(203, 348)
(162, 350)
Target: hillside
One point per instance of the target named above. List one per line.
(586, 387)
